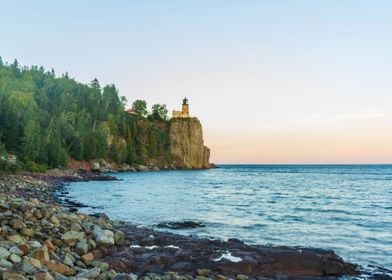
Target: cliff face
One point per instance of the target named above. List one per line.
(187, 144)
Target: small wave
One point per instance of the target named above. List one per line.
(254, 226)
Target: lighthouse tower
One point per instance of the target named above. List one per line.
(184, 113)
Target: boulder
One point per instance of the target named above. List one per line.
(103, 236)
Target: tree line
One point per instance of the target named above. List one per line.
(46, 120)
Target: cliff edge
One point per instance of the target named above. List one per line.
(187, 144)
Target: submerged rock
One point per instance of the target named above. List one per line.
(180, 225)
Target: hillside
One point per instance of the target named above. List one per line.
(49, 121)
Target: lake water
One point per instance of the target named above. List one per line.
(347, 208)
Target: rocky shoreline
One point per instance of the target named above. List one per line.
(102, 166)
(41, 239)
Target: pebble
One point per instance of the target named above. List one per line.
(42, 275)
(4, 253)
(71, 237)
(87, 257)
(92, 273)
(5, 263)
(16, 239)
(42, 254)
(60, 268)
(12, 276)
(15, 250)
(15, 258)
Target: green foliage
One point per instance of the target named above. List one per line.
(159, 112)
(45, 120)
(140, 107)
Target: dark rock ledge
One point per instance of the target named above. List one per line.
(40, 239)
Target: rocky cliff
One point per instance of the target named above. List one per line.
(187, 144)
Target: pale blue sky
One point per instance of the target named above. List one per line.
(268, 79)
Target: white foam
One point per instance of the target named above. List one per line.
(135, 246)
(151, 247)
(228, 256)
(172, 246)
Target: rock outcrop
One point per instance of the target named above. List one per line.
(187, 144)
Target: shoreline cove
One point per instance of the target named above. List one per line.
(113, 249)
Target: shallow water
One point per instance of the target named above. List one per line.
(347, 208)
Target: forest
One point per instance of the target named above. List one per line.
(46, 120)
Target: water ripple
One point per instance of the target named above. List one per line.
(346, 208)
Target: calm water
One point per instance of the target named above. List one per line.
(345, 208)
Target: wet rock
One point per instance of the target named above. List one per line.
(242, 277)
(124, 276)
(119, 265)
(203, 272)
(181, 225)
(202, 278)
(119, 237)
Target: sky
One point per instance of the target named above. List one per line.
(271, 81)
